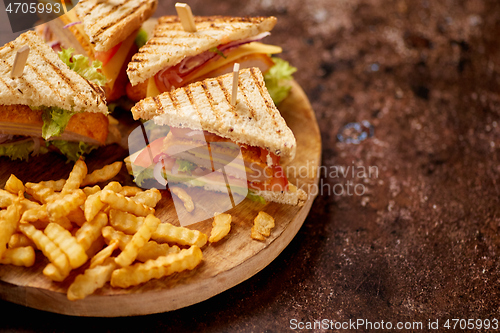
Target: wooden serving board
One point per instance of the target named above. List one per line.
(225, 264)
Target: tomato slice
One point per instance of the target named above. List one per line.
(105, 57)
(278, 183)
(145, 158)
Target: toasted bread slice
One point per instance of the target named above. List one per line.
(110, 22)
(206, 105)
(46, 81)
(170, 43)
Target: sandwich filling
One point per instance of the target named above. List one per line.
(203, 159)
(29, 131)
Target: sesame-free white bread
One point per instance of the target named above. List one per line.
(170, 43)
(206, 105)
(46, 81)
(110, 22)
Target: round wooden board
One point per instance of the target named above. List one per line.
(225, 264)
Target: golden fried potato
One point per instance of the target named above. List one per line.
(126, 222)
(263, 224)
(49, 248)
(168, 233)
(14, 185)
(19, 256)
(120, 202)
(76, 177)
(62, 207)
(8, 224)
(67, 243)
(185, 198)
(91, 280)
(155, 269)
(149, 197)
(130, 191)
(102, 175)
(91, 230)
(220, 227)
(129, 253)
(110, 235)
(19, 240)
(104, 254)
(152, 250)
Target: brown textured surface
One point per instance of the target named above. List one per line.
(422, 243)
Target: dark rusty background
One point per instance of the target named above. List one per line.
(422, 241)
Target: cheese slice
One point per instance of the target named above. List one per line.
(232, 56)
(152, 88)
(115, 64)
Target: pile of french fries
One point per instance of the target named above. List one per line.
(112, 232)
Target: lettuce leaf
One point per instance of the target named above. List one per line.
(55, 121)
(72, 150)
(82, 66)
(20, 151)
(279, 79)
(142, 38)
(185, 166)
(143, 176)
(256, 198)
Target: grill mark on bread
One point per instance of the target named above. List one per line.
(47, 83)
(103, 14)
(123, 17)
(194, 105)
(211, 102)
(261, 86)
(159, 105)
(224, 90)
(8, 87)
(242, 91)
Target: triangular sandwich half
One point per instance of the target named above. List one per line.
(202, 112)
(104, 31)
(49, 106)
(173, 57)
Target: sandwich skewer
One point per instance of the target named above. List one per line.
(20, 61)
(186, 16)
(236, 72)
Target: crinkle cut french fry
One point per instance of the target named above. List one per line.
(92, 279)
(149, 197)
(91, 230)
(110, 234)
(14, 185)
(220, 227)
(19, 240)
(102, 175)
(6, 199)
(129, 253)
(62, 207)
(130, 191)
(91, 190)
(67, 243)
(93, 205)
(113, 186)
(8, 224)
(118, 201)
(104, 254)
(39, 192)
(55, 274)
(55, 185)
(152, 250)
(168, 233)
(185, 198)
(155, 269)
(19, 256)
(77, 216)
(35, 214)
(76, 176)
(126, 222)
(49, 249)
